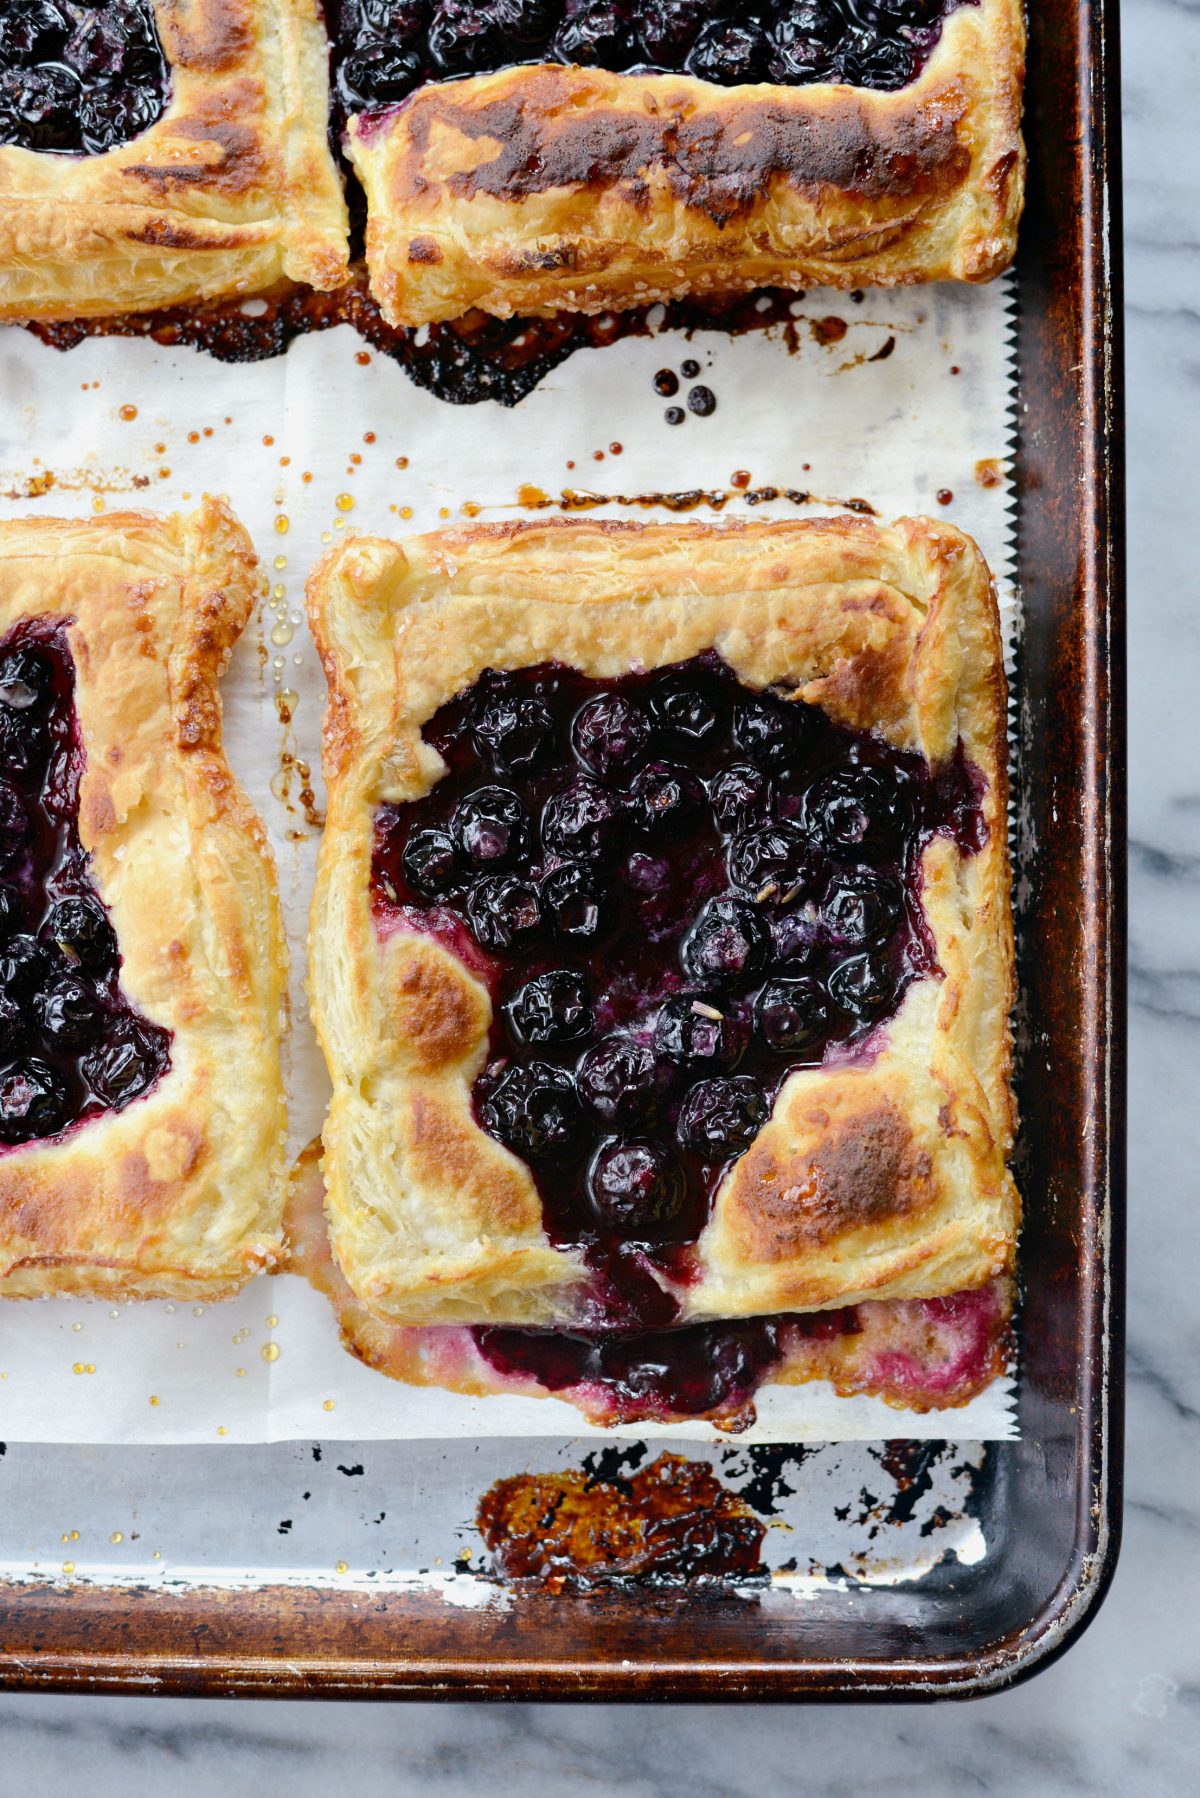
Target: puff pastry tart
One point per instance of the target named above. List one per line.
(141, 954)
(768, 155)
(661, 950)
(161, 151)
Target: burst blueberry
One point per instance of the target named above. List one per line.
(721, 1117)
(552, 1008)
(534, 1109)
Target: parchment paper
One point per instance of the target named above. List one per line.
(333, 437)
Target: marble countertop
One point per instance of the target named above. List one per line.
(1121, 1712)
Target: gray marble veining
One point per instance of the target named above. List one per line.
(1120, 1713)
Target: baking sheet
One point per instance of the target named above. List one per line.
(332, 438)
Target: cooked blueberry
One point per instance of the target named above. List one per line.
(687, 714)
(503, 912)
(886, 64)
(610, 734)
(32, 29)
(861, 908)
(14, 823)
(70, 1013)
(10, 910)
(721, 1117)
(431, 863)
(23, 965)
(379, 73)
(792, 1017)
(582, 820)
(519, 732)
(859, 811)
(729, 52)
(31, 1102)
(728, 943)
(491, 828)
(44, 102)
(620, 1078)
(664, 799)
(126, 1062)
(860, 987)
(553, 1008)
(698, 1035)
(771, 861)
(669, 28)
(739, 796)
(80, 929)
(535, 1110)
(25, 677)
(22, 740)
(597, 31)
(465, 36)
(527, 22)
(635, 1184)
(100, 45)
(796, 935)
(16, 1026)
(771, 731)
(573, 903)
(400, 20)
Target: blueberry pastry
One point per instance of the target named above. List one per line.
(154, 152)
(142, 965)
(661, 949)
(531, 156)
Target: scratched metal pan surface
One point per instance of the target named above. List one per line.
(894, 1571)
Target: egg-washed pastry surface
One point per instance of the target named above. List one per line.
(161, 152)
(661, 949)
(142, 966)
(550, 186)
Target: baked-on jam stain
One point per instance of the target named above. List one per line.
(463, 362)
(71, 1045)
(678, 889)
(385, 49)
(671, 1524)
(79, 78)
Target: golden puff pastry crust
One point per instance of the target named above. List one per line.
(231, 191)
(180, 1194)
(882, 1177)
(544, 189)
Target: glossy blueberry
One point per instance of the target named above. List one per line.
(739, 795)
(535, 1110)
(552, 1008)
(667, 29)
(401, 21)
(635, 1185)
(379, 73)
(610, 735)
(771, 731)
(25, 677)
(792, 1017)
(69, 1013)
(14, 823)
(491, 828)
(772, 861)
(621, 1080)
(22, 740)
(595, 31)
(861, 908)
(465, 36)
(42, 103)
(729, 52)
(860, 987)
(721, 1117)
(104, 44)
(31, 1102)
(126, 1062)
(32, 29)
(80, 930)
(582, 820)
(686, 714)
(664, 800)
(10, 911)
(574, 903)
(885, 64)
(519, 732)
(16, 1026)
(431, 863)
(23, 965)
(859, 812)
(796, 935)
(503, 912)
(699, 1034)
(728, 943)
(797, 55)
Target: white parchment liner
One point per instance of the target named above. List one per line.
(333, 437)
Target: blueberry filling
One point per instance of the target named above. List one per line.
(701, 888)
(79, 77)
(383, 51)
(71, 1046)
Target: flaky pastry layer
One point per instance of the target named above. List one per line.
(883, 1177)
(543, 189)
(231, 191)
(181, 1193)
